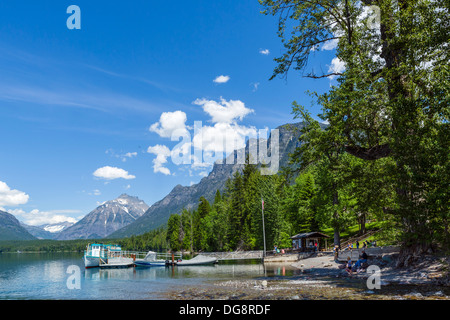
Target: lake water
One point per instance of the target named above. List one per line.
(49, 276)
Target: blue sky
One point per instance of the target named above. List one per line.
(86, 115)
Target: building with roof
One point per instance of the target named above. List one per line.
(307, 241)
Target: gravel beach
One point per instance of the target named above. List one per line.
(320, 278)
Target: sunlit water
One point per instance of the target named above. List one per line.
(46, 276)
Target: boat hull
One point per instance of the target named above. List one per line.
(197, 261)
(143, 263)
(91, 262)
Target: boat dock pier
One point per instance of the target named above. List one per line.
(126, 259)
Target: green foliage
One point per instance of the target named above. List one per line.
(234, 221)
(390, 110)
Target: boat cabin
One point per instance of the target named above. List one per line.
(99, 250)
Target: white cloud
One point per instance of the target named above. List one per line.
(37, 218)
(208, 142)
(255, 86)
(337, 66)
(223, 137)
(265, 52)
(121, 156)
(111, 173)
(170, 123)
(11, 197)
(224, 111)
(68, 97)
(221, 79)
(129, 155)
(330, 44)
(96, 192)
(162, 153)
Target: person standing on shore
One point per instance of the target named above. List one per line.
(336, 253)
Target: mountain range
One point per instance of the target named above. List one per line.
(128, 215)
(99, 223)
(188, 196)
(106, 218)
(47, 231)
(11, 229)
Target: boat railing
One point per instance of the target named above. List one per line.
(141, 255)
(168, 256)
(102, 253)
(112, 254)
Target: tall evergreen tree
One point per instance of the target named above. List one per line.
(236, 210)
(392, 99)
(173, 232)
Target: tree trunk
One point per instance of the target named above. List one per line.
(337, 235)
(362, 222)
(409, 254)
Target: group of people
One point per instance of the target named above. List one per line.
(349, 267)
(366, 244)
(314, 246)
(277, 250)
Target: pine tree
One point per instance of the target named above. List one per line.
(217, 197)
(173, 232)
(236, 210)
(391, 100)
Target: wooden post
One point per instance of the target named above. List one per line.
(264, 231)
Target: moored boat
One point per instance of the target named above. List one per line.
(97, 254)
(150, 260)
(197, 261)
(92, 255)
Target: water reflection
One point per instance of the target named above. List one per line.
(44, 276)
(181, 272)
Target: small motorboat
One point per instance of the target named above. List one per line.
(197, 261)
(150, 260)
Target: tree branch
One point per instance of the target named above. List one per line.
(323, 76)
(374, 153)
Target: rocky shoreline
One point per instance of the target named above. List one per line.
(320, 278)
(427, 270)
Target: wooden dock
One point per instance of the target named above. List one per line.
(235, 255)
(117, 262)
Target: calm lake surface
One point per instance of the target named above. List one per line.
(46, 276)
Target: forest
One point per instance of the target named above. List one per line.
(384, 155)
(234, 221)
(385, 152)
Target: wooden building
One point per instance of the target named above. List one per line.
(307, 241)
